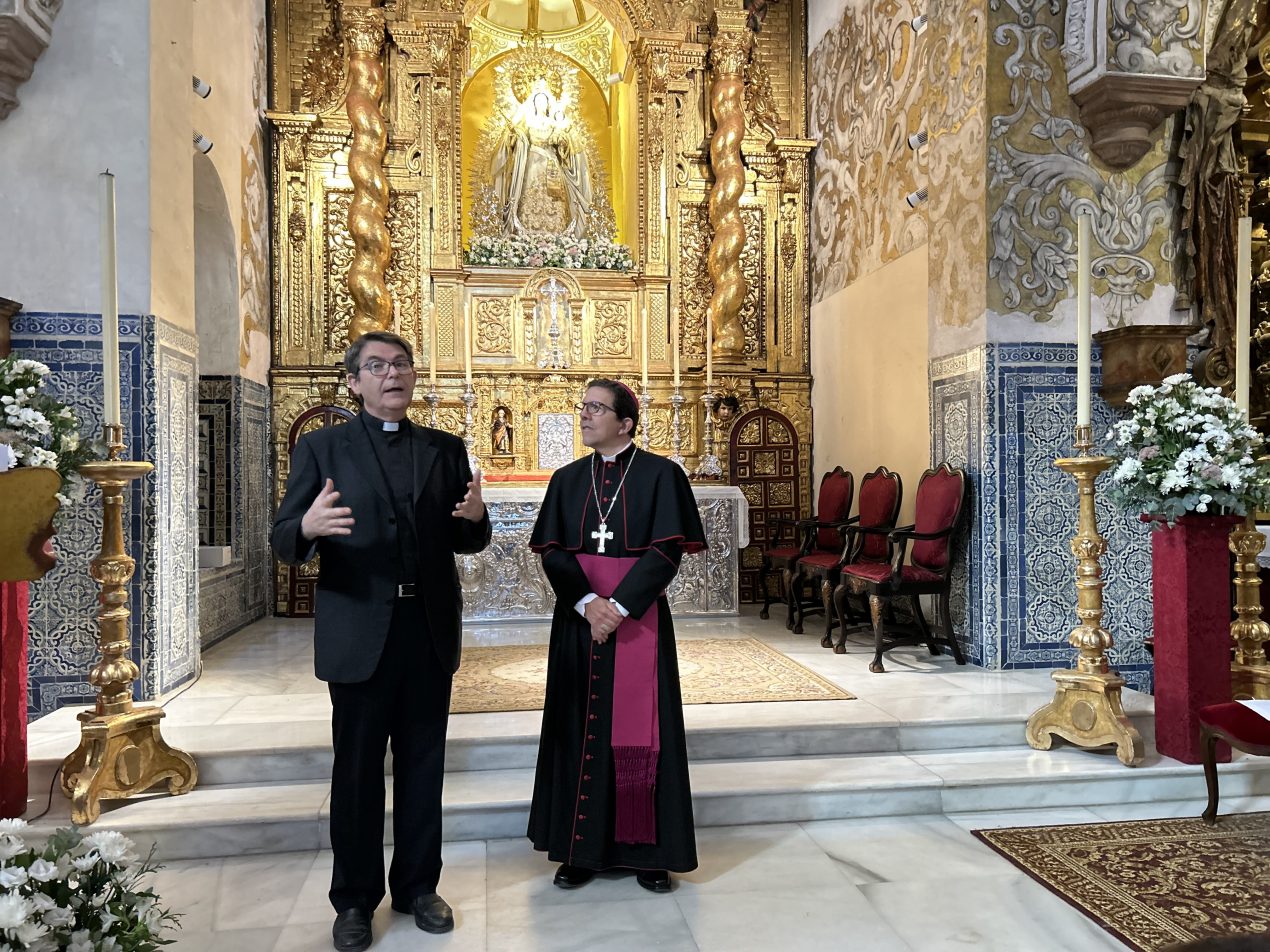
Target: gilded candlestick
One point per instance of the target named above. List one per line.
(433, 398)
(469, 427)
(1086, 709)
(1250, 673)
(121, 751)
(645, 401)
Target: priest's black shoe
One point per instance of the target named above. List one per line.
(654, 880)
(351, 932)
(571, 877)
(432, 913)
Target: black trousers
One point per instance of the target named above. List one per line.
(406, 700)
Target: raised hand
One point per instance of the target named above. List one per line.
(324, 517)
(472, 505)
(604, 619)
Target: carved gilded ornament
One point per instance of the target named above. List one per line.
(494, 327)
(611, 329)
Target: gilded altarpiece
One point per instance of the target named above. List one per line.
(653, 65)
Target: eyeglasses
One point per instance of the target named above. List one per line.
(379, 368)
(593, 407)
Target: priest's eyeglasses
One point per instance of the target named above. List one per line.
(593, 407)
(379, 368)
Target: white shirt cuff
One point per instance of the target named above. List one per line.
(618, 605)
(580, 607)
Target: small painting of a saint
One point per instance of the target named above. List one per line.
(501, 432)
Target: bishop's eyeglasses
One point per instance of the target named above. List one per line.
(593, 407)
(379, 368)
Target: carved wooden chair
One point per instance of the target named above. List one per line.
(799, 537)
(928, 543)
(881, 492)
(1239, 726)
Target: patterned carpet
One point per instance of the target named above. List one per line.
(1153, 883)
(711, 671)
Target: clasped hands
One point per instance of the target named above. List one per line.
(604, 618)
(326, 518)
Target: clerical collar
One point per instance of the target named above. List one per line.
(388, 426)
(610, 459)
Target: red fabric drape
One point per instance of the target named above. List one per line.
(13, 634)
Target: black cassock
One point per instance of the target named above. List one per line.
(654, 519)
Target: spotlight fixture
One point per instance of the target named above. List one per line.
(614, 78)
(202, 89)
(917, 198)
(919, 23)
(202, 143)
(918, 140)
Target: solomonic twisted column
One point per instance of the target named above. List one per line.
(367, 214)
(728, 52)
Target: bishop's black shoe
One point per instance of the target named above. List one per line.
(432, 913)
(571, 877)
(654, 880)
(351, 932)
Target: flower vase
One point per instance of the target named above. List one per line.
(13, 676)
(1190, 580)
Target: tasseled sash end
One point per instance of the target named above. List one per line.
(636, 819)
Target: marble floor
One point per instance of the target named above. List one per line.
(915, 882)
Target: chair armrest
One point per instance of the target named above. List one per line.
(921, 536)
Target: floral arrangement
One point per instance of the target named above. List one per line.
(38, 430)
(547, 251)
(79, 893)
(1187, 448)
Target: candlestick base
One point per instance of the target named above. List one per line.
(1086, 710)
(709, 466)
(433, 399)
(469, 428)
(676, 429)
(121, 751)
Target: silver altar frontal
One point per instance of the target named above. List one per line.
(506, 582)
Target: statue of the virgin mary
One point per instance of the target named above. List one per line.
(540, 174)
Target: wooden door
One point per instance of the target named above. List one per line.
(764, 465)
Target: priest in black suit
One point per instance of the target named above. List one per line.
(611, 789)
(387, 505)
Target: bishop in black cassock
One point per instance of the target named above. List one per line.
(611, 788)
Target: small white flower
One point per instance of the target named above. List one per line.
(81, 941)
(12, 877)
(14, 910)
(59, 917)
(31, 932)
(114, 847)
(42, 871)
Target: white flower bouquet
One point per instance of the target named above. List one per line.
(79, 893)
(548, 251)
(36, 429)
(1187, 448)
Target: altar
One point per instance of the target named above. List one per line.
(505, 582)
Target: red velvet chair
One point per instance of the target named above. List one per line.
(880, 494)
(941, 504)
(823, 533)
(1239, 726)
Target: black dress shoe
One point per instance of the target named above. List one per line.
(654, 880)
(351, 932)
(571, 877)
(432, 913)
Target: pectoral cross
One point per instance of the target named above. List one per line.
(602, 535)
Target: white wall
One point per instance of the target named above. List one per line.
(85, 108)
(869, 399)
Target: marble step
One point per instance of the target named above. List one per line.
(241, 751)
(234, 819)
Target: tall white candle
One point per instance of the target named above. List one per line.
(674, 338)
(1243, 316)
(1084, 340)
(709, 353)
(432, 344)
(644, 347)
(467, 340)
(109, 303)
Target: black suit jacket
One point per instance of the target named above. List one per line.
(357, 582)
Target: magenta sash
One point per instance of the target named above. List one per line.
(636, 739)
